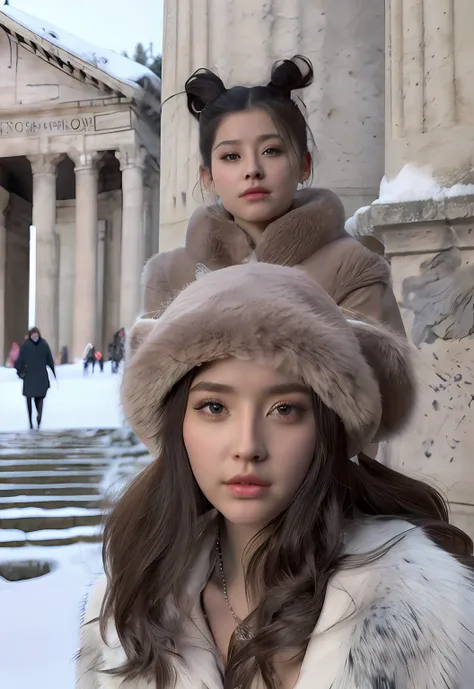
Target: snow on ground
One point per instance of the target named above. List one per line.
(108, 61)
(40, 618)
(75, 401)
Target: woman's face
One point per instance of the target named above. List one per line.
(249, 153)
(250, 435)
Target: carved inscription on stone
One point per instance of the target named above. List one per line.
(71, 124)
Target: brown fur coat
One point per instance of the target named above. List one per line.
(310, 235)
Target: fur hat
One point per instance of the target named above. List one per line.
(277, 316)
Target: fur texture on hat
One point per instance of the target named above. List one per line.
(277, 316)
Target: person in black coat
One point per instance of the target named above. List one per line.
(31, 365)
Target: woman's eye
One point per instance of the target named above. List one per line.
(285, 409)
(215, 407)
(210, 408)
(271, 151)
(231, 156)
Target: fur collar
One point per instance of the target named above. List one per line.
(403, 621)
(315, 219)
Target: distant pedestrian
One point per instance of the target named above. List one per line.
(64, 355)
(100, 360)
(34, 358)
(89, 358)
(117, 350)
(13, 356)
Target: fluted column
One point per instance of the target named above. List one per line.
(85, 252)
(345, 105)
(132, 163)
(430, 96)
(4, 198)
(47, 247)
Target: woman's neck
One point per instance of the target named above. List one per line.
(236, 553)
(254, 231)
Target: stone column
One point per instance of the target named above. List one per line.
(4, 198)
(241, 40)
(47, 247)
(430, 121)
(430, 97)
(85, 254)
(132, 163)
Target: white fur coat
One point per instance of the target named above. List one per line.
(404, 621)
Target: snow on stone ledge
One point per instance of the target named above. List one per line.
(418, 184)
(117, 66)
(411, 184)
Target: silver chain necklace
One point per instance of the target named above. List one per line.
(237, 619)
(242, 632)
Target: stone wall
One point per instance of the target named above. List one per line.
(430, 87)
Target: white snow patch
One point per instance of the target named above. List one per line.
(351, 223)
(10, 536)
(117, 66)
(41, 617)
(411, 184)
(75, 401)
(418, 184)
(73, 532)
(47, 498)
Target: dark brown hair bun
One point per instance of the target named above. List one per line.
(202, 88)
(291, 75)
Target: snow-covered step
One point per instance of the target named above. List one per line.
(47, 477)
(36, 518)
(55, 488)
(33, 489)
(35, 464)
(48, 537)
(47, 502)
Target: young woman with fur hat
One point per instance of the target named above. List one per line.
(255, 154)
(261, 548)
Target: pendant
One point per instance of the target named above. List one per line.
(243, 634)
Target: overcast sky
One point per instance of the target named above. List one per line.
(115, 24)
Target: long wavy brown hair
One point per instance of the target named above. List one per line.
(153, 534)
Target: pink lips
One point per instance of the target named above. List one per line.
(255, 194)
(247, 486)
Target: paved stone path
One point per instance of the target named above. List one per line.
(55, 486)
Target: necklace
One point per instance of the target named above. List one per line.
(242, 632)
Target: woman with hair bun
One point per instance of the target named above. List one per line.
(261, 548)
(255, 168)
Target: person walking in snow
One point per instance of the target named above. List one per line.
(89, 358)
(33, 361)
(117, 350)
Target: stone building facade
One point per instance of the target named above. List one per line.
(393, 86)
(79, 159)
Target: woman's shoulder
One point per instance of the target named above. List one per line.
(409, 599)
(94, 599)
(407, 549)
(93, 654)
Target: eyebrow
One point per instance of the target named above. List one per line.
(260, 139)
(282, 389)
